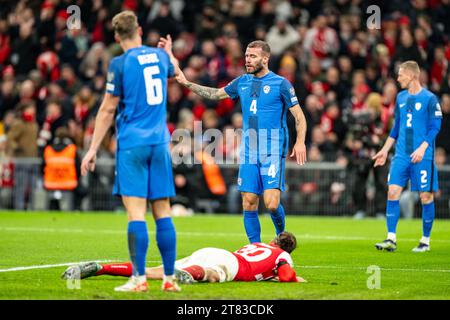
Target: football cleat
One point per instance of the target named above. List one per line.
(183, 276)
(81, 271)
(387, 245)
(133, 285)
(422, 247)
(170, 286)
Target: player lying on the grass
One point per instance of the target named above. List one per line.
(253, 262)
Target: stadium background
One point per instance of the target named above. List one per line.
(344, 75)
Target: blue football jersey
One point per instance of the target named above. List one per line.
(139, 78)
(264, 102)
(414, 113)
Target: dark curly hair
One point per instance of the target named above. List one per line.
(286, 241)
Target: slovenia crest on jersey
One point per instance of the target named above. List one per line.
(418, 106)
(266, 89)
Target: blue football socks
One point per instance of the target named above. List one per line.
(166, 240)
(278, 219)
(138, 245)
(427, 218)
(252, 226)
(392, 215)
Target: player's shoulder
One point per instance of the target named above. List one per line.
(117, 59)
(427, 93)
(402, 93)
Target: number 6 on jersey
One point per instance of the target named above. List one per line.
(153, 86)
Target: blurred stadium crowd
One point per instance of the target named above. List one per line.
(344, 73)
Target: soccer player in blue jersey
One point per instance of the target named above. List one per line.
(265, 98)
(417, 123)
(136, 87)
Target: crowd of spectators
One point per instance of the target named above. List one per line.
(343, 72)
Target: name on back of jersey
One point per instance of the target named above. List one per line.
(148, 58)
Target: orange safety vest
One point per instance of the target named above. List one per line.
(213, 176)
(60, 172)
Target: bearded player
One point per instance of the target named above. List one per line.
(265, 98)
(253, 262)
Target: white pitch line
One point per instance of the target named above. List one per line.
(46, 266)
(207, 234)
(382, 269)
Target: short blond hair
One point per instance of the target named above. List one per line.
(125, 24)
(412, 66)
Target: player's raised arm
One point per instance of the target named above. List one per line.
(299, 150)
(103, 122)
(203, 91)
(166, 44)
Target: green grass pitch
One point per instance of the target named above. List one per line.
(333, 255)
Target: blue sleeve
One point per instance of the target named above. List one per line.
(434, 108)
(232, 88)
(288, 95)
(433, 128)
(114, 78)
(396, 127)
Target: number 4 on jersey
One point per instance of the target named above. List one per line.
(253, 107)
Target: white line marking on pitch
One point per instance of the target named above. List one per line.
(46, 266)
(200, 234)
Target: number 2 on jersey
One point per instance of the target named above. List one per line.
(153, 86)
(409, 120)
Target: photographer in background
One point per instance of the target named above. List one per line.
(365, 135)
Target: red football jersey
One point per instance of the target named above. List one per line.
(258, 261)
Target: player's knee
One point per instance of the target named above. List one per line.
(272, 205)
(249, 203)
(394, 194)
(426, 197)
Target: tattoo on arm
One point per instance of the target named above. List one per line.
(205, 92)
(300, 126)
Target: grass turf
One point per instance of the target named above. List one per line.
(333, 255)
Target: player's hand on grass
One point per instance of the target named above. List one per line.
(299, 151)
(88, 163)
(380, 158)
(417, 155)
(300, 279)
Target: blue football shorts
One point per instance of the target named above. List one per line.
(144, 172)
(266, 173)
(423, 175)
